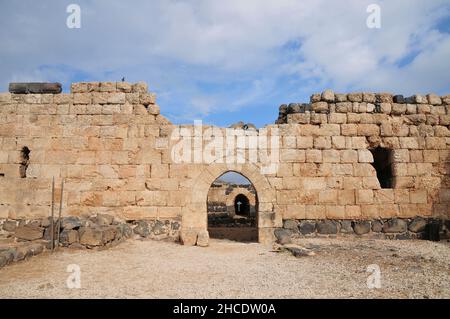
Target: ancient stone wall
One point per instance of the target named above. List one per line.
(115, 153)
(221, 198)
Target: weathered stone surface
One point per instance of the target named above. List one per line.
(283, 236)
(70, 222)
(346, 227)
(126, 230)
(36, 248)
(327, 227)
(298, 251)
(90, 236)
(35, 87)
(104, 219)
(9, 225)
(362, 227)
(142, 229)
(29, 232)
(290, 224)
(399, 99)
(68, 236)
(23, 252)
(188, 237)
(203, 238)
(159, 228)
(328, 96)
(417, 225)
(394, 225)
(6, 256)
(306, 228)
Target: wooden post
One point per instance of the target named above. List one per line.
(52, 224)
(58, 227)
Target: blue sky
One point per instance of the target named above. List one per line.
(225, 61)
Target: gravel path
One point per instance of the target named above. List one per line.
(148, 269)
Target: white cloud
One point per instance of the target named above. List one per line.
(175, 45)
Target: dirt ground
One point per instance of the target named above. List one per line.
(149, 269)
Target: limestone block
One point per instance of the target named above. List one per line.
(384, 196)
(315, 98)
(401, 196)
(338, 142)
(320, 107)
(107, 87)
(370, 211)
(340, 97)
(359, 142)
(436, 143)
(28, 232)
(369, 97)
(353, 118)
(304, 142)
(318, 118)
(292, 155)
(147, 98)
(140, 87)
(409, 142)
(82, 98)
(78, 87)
(355, 97)
(363, 170)
(370, 107)
(313, 183)
(371, 182)
(352, 212)
(329, 130)
(432, 119)
(386, 108)
(349, 156)
(331, 156)
(346, 197)
(123, 87)
(411, 108)
(203, 238)
(352, 182)
(322, 142)
(327, 96)
(116, 98)
(343, 107)
(420, 99)
(132, 98)
(416, 156)
(365, 156)
(418, 196)
(364, 196)
(368, 129)
(400, 156)
(299, 118)
(424, 109)
(315, 212)
(398, 109)
(337, 118)
(438, 110)
(349, 129)
(335, 211)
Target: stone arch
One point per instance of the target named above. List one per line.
(241, 191)
(194, 214)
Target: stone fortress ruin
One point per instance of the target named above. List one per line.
(360, 164)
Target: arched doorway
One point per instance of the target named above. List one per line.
(242, 205)
(232, 208)
(195, 212)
